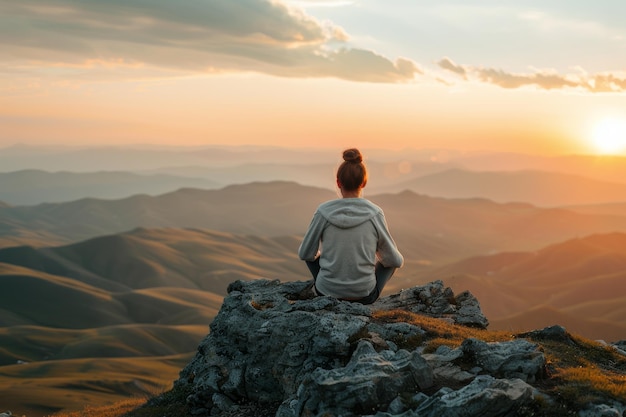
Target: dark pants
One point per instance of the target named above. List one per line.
(383, 275)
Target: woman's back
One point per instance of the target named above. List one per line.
(348, 247)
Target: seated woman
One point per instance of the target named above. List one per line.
(348, 247)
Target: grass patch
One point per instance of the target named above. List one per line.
(579, 371)
(585, 371)
(118, 409)
(170, 403)
(440, 332)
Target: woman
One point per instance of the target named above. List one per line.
(348, 247)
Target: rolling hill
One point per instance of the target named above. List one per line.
(118, 315)
(429, 230)
(171, 276)
(46, 387)
(145, 276)
(579, 283)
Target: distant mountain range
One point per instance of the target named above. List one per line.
(29, 187)
(548, 189)
(277, 208)
(535, 187)
(139, 158)
(430, 230)
(409, 162)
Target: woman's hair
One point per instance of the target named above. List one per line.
(352, 173)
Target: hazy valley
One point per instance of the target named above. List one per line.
(110, 279)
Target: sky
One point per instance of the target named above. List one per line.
(539, 77)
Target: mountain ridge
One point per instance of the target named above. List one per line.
(434, 229)
(35, 186)
(541, 188)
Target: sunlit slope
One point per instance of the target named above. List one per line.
(39, 389)
(34, 298)
(26, 344)
(135, 297)
(146, 258)
(580, 283)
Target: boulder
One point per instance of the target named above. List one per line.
(435, 300)
(274, 344)
(485, 396)
(369, 381)
(515, 359)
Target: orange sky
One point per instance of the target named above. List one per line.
(148, 80)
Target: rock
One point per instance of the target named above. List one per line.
(515, 359)
(445, 370)
(369, 382)
(262, 345)
(485, 396)
(620, 346)
(272, 344)
(603, 410)
(435, 300)
(556, 333)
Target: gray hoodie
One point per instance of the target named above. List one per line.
(350, 235)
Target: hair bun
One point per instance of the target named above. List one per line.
(352, 155)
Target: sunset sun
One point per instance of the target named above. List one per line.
(609, 136)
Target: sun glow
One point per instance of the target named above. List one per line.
(609, 136)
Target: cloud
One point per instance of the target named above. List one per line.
(322, 3)
(545, 80)
(447, 64)
(193, 36)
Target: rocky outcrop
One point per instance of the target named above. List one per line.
(274, 345)
(435, 300)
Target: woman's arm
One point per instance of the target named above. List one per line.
(387, 251)
(309, 248)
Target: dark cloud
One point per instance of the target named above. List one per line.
(195, 35)
(543, 80)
